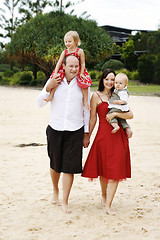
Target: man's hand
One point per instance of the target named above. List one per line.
(110, 116)
(86, 140)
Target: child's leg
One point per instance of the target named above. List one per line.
(85, 98)
(50, 97)
(115, 127)
(129, 132)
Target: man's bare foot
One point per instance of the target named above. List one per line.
(129, 132)
(65, 208)
(115, 129)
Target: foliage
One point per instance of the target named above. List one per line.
(21, 78)
(130, 60)
(153, 43)
(146, 68)
(157, 70)
(95, 75)
(40, 40)
(113, 64)
(6, 67)
(8, 73)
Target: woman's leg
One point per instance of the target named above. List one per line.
(103, 184)
(111, 190)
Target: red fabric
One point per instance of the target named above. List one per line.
(82, 83)
(109, 155)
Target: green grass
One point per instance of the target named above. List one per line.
(136, 88)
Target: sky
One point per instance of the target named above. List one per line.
(130, 14)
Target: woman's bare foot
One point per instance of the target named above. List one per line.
(109, 211)
(65, 208)
(103, 201)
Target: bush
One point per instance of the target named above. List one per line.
(25, 78)
(8, 73)
(135, 75)
(41, 78)
(113, 64)
(4, 67)
(157, 70)
(125, 71)
(21, 78)
(146, 68)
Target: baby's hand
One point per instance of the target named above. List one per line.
(115, 102)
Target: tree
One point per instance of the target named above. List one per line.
(40, 40)
(130, 60)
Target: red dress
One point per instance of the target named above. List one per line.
(82, 83)
(109, 155)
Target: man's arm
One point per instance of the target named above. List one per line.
(86, 139)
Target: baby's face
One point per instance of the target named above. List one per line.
(120, 83)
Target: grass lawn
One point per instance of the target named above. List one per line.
(136, 88)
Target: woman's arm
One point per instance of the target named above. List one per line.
(124, 115)
(93, 113)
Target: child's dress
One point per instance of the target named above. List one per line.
(109, 155)
(82, 83)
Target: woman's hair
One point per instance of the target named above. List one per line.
(104, 75)
(75, 36)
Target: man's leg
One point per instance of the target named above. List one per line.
(67, 182)
(55, 180)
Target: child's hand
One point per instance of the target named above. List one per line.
(82, 76)
(115, 102)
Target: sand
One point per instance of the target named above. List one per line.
(26, 212)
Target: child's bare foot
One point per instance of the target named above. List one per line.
(115, 129)
(65, 208)
(129, 132)
(48, 99)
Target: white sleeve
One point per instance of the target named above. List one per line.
(43, 95)
(123, 96)
(87, 115)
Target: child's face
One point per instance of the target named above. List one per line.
(120, 83)
(69, 42)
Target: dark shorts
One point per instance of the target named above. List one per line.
(65, 150)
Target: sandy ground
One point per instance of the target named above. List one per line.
(26, 212)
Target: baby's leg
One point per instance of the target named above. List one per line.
(129, 132)
(85, 98)
(115, 127)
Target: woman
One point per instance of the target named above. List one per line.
(109, 156)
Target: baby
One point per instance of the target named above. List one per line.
(118, 103)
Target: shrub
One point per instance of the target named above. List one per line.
(21, 78)
(157, 70)
(125, 71)
(113, 64)
(135, 75)
(8, 73)
(4, 67)
(41, 78)
(25, 78)
(146, 68)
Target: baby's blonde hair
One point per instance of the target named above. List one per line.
(124, 76)
(75, 36)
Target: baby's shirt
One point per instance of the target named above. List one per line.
(119, 95)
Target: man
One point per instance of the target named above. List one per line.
(68, 130)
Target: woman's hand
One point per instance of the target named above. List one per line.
(86, 140)
(110, 116)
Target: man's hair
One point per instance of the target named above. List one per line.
(65, 59)
(75, 36)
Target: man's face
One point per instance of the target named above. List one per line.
(71, 68)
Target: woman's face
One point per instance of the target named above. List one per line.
(108, 81)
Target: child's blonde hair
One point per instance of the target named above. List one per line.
(75, 36)
(124, 76)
